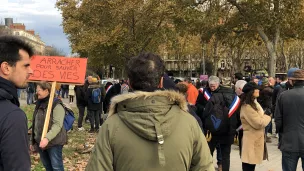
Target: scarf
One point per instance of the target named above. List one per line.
(42, 101)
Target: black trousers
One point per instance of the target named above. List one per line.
(248, 167)
(225, 150)
(81, 115)
(94, 119)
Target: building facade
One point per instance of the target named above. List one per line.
(19, 29)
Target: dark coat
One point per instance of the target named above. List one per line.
(14, 145)
(80, 95)
(88, 98)
(289, 119)
(228, 96)
(111, 92)
(265, 99)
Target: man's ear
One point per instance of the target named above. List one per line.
(161, 83)
(5, 68)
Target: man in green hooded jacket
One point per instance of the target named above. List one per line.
(150, 129)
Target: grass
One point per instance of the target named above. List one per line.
(73, 156)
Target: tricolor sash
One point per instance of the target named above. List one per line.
(108, 88)
(234, 106)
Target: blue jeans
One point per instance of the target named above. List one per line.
(51, 158)
(29, 99)
(290, 160)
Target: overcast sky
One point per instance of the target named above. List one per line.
(39, 15)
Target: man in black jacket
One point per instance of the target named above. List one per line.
(94, 101)
(209, 100)
(81, 104)
(15, 70)
(289, 119)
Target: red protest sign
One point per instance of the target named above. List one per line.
(60, 69)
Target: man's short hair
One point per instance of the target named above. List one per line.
(9, 49)
(214, 79)
(238, 76)
(282, 77)
(145, 71)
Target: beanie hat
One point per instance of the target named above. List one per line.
(291, 71)
(250, 87)
(265, 81)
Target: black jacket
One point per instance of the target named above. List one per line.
(228, 96)
(289, 119)
(88, 98)
(265, 99)
(111, 92)
(80, 95)
(14, 144)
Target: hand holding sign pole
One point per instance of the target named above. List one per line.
(57, 70)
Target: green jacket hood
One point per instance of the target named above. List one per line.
(140, 111)
(150, 115)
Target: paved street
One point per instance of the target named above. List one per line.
(274, 163)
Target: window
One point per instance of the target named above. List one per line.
(222, 64)
(17, 33)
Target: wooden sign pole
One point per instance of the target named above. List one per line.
(49, 110)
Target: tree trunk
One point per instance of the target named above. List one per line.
(271, 47)
(215, 57)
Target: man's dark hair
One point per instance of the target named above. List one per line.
(282, 77)
(9, 49)
(238, 76)
(145, 71)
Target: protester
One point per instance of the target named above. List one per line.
(239, 85)
(50, 146)
(289, 119)
(71, 93)
(124, 87)
(182, 88)
(112, 90)
(86, 86)
(192, 92)
(81, 104)
(219, 103)
(15, 70)
(254, 122)
(238, 76)
(30, 93)
(156, 122)
(265, 100)
(281, 84)
(94, 100)
(198, 83)
(64, 91)
(287, 86)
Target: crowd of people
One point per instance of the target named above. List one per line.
(152, 122)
